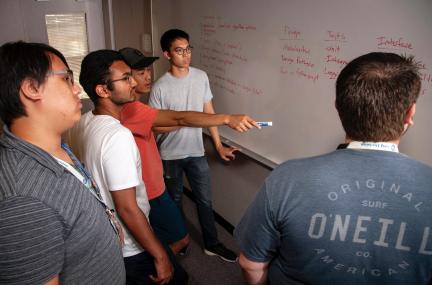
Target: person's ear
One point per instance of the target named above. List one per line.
(409, 116)
(167, 55)
(30, 89)
(102, 91)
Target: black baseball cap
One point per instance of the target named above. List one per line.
(135, 58)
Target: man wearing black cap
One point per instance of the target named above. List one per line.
(165, 217)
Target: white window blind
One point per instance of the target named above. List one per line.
(68, 34)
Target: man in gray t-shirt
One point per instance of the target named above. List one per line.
(54, 226)
(184, 88)
(358, 215)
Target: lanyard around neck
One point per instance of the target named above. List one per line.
(79, 171)
(87, 180)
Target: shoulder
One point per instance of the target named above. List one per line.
(135, 108)
(294, 167)
(138, 117)
(119, 135)
(197, 72)
(166, 77)
(27, 172)
(105, 126)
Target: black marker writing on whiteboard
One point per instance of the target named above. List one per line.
(265, 124)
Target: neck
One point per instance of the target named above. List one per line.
(36, 133)
(179, 72)
(106, 107)
(138, 95)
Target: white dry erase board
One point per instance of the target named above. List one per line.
(277, 60)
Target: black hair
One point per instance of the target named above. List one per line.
(20, 61)
(171, 35)
(95, 70)
(373, 94)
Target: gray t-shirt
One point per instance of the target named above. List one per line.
(50, 223)
(188, 93)
(348, 217)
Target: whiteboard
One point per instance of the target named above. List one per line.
(277, 60)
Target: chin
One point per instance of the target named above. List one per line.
(77, 117)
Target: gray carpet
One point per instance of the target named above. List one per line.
(204, 269)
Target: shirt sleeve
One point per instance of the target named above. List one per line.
(31, 242)
(207, 93)
(120, 159)
(257, 233)
(138, 118)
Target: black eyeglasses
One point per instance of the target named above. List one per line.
(68, 75)
(183, 51)
(127, 77)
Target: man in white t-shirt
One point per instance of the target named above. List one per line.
(109, 151)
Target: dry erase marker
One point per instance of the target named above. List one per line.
(265, 124)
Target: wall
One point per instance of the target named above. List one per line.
(131, 19)
(11, 28)
(25, 19)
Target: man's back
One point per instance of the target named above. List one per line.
(348, 217)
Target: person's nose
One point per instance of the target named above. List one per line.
(76, 89)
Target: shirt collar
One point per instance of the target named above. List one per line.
(10, 141)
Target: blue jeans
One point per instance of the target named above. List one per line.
(198, 175)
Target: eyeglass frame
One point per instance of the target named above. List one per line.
(68, 72)
(128, 77)
(183, 51)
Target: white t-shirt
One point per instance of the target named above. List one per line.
(108, 150)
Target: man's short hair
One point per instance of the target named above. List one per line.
(373, 94)
(170, 36)
(95, 70)
(19, 61)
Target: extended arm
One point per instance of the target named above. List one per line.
(169, 118)
(254, 273)
(136, 222)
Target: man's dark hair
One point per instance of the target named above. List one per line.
(95, 70)
(19, 61)
(373, 94)
(170, 36)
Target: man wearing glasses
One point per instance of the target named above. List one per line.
(109, 151)
(54, 226)
(187, 88)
